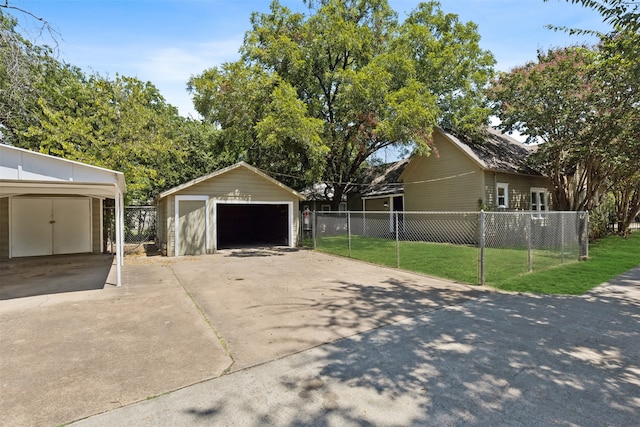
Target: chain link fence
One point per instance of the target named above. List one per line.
(139, 226)
(472, 247)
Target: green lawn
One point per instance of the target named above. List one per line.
(506, 269)
(608, 258)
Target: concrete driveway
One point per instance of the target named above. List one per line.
(498, 359)
(178, 322)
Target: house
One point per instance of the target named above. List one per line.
(460, 176)
(234, 207)
(318, 197)
(381, 188)
(54, 206)
(463, 176)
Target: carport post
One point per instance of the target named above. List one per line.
(119, 211)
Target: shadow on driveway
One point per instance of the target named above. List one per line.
(500, 359)
(33, 276)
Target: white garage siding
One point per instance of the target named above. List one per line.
(238, 184)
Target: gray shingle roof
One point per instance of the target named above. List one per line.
(498, 152)
(383, 180)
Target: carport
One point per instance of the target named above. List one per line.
(54, 206)
(239, 206)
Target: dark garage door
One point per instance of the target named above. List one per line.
(242, 225)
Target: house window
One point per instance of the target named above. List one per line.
(539, 200)
(325, 208)
(502, 195)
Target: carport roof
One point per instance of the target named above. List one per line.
(27, 172)
(229, 169)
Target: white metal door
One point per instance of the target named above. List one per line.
(72, 226)
(48, 226)
(31, 228)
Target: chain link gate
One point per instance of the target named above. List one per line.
(140, 224)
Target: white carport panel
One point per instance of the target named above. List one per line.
(31, 230)
(50, 226)
(71, 226)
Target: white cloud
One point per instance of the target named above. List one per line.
(177, 64)
(169, 68)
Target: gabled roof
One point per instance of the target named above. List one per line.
(229, 169)
(496, 152)
(27, 172)
(384, 180)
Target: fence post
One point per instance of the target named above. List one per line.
(349, 230)
(481, 243)
(562, 219)
(397, 240)
(529, 233)
(584, 236)
(314, 226)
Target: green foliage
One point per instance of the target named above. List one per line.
(554, 99)
(583, 103)
(27, 73)
(123, 123)
(314, 96)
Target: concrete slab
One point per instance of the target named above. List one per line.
(500, 359)
(69, 355)
(270, 303)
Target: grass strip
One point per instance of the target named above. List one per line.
(505, 268)
(608, 258)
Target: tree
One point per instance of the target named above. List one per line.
(315, 96)
(552, 100)
(26, 72)
(620, 70)
(122, 124)
(583, 104)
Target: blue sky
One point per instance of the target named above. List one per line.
(167, 41)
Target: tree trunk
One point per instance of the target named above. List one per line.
(338, 192)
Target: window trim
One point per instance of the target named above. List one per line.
(505, 186)
(539, 191)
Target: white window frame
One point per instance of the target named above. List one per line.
(539, 208)
(505, 186)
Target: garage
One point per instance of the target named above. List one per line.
(53, 206)
(236, 207)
